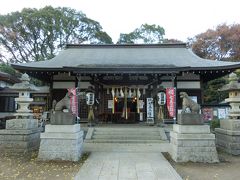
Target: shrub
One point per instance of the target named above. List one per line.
(215, 123)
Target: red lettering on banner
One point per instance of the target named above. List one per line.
(73, 100)
(170, 95)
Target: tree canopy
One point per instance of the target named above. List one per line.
(145, 34)
(221, 43)
(7, 69)
(35, 35)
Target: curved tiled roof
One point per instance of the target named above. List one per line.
(163, 56)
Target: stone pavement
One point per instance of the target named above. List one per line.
(127, 147)
(126, 165)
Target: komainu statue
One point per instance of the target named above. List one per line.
(63, 103)
(60, 117)
(189, 104)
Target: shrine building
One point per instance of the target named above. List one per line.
(127, 79)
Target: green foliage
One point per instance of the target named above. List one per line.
(211, 94)
(7, 69)
(215, 123)
(146, 34)
(35, 35)
(37, 82)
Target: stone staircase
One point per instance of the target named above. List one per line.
(125, 135)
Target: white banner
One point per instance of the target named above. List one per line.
(150, 110)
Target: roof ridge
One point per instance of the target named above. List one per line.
(162, 45)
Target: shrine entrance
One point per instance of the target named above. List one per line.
(126, 114)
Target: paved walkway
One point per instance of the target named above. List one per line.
(127, 166)
(127, 147)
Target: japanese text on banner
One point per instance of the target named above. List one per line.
(73, 100)
(170, 92)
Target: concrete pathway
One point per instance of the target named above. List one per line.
(127, 147)
(127, 166)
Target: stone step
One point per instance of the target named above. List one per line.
(126, 133)
(126, 137)
(128, 129)
(122, 141)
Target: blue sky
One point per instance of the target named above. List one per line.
(180, 18)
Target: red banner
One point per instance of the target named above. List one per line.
(73, 100)
(170, 95)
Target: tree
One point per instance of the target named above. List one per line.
(35, 35)
(7, 69)
(211, 94)
(146, 34)
(221, 43)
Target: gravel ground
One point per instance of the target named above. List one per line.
(28, 167)
(227, 169)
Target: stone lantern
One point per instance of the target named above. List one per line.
(22, 134)
(228, 135)
(233, 89)
(24, 99)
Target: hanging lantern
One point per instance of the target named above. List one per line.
(90, 98)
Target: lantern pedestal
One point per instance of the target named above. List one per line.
(20, 136)
(228, 136)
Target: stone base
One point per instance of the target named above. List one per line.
(228, 140)
(24, 124)
(193, 143)
(21, 136)
(190, 119)
(62, 118)
(61, 142)
(230, 124)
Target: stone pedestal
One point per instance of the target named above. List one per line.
(228, 136)
(62, 118)
(20, 136)
(190, 119)
(193, 143)
(61, 142)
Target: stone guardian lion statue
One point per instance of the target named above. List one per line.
(63, 103)
(188, 103)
